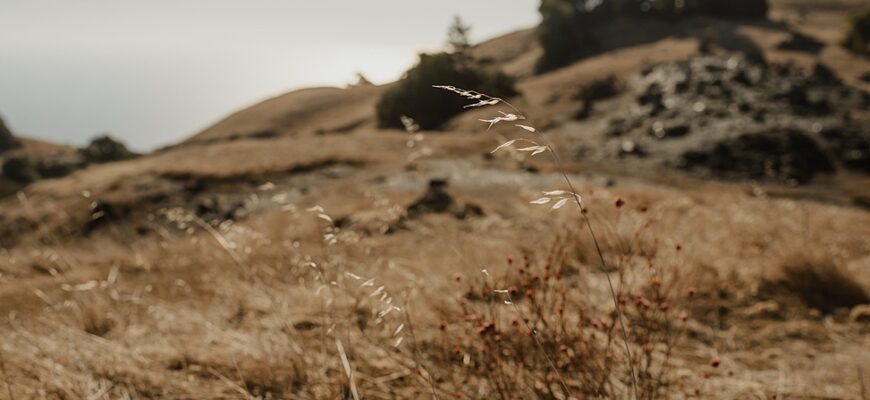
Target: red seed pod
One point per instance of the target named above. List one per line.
(715, 363)
(664, 306)
(563, 348)
(691, 292)
(683, 316)
(457, 277)
(678, 247)
(530, 293)
(641, 302)
(619, 202)
(510, 260)
(443, 326)
(643, 208)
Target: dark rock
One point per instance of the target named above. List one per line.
(670, 130)
(102, 213)
(801, 42)
(59, 165)
(599, 89)
(630, 148)
(825, 75)
(218, 208)
(788, 156)
(850, 144)
(437, 200)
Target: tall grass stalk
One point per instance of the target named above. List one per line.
(483, 100)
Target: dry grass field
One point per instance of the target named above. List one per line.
(293, 250)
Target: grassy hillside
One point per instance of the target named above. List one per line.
(292, 250)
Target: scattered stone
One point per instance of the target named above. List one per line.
(629, 147)
(860, 314)
(438, 201)
(219, 208)
(774, 155)
(435, 200)
(801, 42)
(735, 118)
(671, 130)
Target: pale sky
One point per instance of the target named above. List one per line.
(154, 72)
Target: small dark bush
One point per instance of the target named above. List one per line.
(105, 149)
(20, 170)
(414, 96)
(7, 141)
(818, 284)
(858, 36)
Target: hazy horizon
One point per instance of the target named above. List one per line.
(154, 73)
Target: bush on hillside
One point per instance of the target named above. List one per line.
(414, 96)
(858, 36)
(103, 149)
(7, 141)
(568, 27)
(564, 33)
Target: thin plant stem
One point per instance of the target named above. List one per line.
(485, 100)
(602, 264)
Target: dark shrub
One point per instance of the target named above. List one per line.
(20, 170)
(568, 30)
(414, 96)
(105, 149)
(858, 36)
(7, 141)
(565, 33)
(727, 9)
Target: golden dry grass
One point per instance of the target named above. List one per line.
(720, 282)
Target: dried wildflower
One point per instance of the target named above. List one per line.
(487, 328)
(683, 316)
(641, 302)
